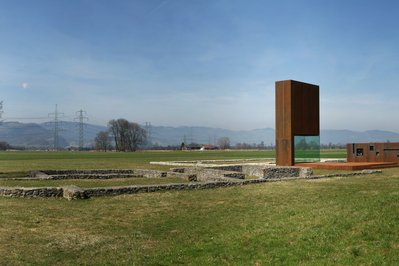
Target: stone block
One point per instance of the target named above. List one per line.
(74, 192)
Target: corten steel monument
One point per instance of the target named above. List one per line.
(387, 152)
(297, 115)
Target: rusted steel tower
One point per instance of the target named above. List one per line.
(297, 115)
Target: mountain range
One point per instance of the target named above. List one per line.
(33, 135)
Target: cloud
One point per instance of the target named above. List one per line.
(159, 6)
(25, 85)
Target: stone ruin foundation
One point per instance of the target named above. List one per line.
(200, 176)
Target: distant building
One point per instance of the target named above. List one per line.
(207, 147)
(193, 146)
(387, 152)
(201, 147)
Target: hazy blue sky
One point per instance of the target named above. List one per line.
(200, 62)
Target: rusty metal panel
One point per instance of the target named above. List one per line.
(284, 137)
(350, 157)
(305, 109)
(387, 152)
(297, 114)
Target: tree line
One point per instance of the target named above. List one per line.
(4, 146)
(125, 135)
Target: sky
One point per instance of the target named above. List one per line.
(199, 62)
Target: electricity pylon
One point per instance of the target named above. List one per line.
(81, 117)
(56, 129)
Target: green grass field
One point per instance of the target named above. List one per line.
(337, 221)
(26, 161)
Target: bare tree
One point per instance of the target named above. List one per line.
(127, 135)
(102, 140)
(115, 129)
(224, 143)
(4, 146)
(136, 136)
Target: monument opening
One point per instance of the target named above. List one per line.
(307, 149)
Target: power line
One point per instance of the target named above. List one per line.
(191, 135)
(81, 117)
(56, 128)
(27, 118)
(18, 118)
(148, 132)
(1, 111)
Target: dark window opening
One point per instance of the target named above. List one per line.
(353, 148)
(371, 147)
(377, 153)
(359, 152)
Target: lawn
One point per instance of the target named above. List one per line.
(340, 221)
(26, 161)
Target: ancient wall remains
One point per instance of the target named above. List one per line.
(73, 192)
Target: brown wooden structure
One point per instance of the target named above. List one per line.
(297, 114)
(387, 152)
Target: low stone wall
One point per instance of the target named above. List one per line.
(90, 176)
(363, 172)
(73, 192)
(165, 187)
(266, 171)
(278, 172)
(232, 168)
(254, 170)
(234, 175)
(208, 174)
(199, 173)
(150, 173)
(283, 172)
(83, 172)
(97, 174)
(214, 184)
(45, 192)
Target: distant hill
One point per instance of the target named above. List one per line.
(70, 132)
(28, 135)
(348, 136)
(208, 135)
(33, 135)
